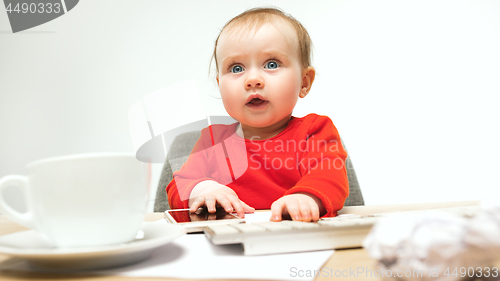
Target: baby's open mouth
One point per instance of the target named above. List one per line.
(257, 103)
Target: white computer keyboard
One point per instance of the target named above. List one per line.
(345, 231)
(293, 236)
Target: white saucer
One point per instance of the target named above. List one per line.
(29, 245)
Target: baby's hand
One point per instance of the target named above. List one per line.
(211, 193)
(299, 206)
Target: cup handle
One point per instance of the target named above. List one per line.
(24, 219)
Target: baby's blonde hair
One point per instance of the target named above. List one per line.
(256, 17)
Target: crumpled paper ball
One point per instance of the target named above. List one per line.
(435, 245)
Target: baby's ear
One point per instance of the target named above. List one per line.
(303, 93)
(308, 75)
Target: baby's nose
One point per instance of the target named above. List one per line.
(254, 82)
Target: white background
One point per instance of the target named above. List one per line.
(412, 86)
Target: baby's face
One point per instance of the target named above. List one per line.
(259, 75)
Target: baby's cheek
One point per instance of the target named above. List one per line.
(230, 104)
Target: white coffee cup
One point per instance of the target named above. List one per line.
(83, 200)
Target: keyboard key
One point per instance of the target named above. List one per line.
(332, 219)
(303, 225)
(339, 224)
(367, 221)
(275, 226)
(223, 229)
(347, 216)
(379, 215)
(249, 228)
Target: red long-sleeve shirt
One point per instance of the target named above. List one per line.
(307, 156)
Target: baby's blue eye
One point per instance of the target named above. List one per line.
(272, 65)
(236, 69)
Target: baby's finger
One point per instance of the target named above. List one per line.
(314, 212)
(305, 211)
(238, 208)
(199, 202)
(293, 210)
(210, 203)
(247, 208)
(225, 202)
(277, 210)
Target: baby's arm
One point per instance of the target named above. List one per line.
(323, 188)
(299, 206)
(209, 193)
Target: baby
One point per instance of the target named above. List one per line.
(293, 166)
